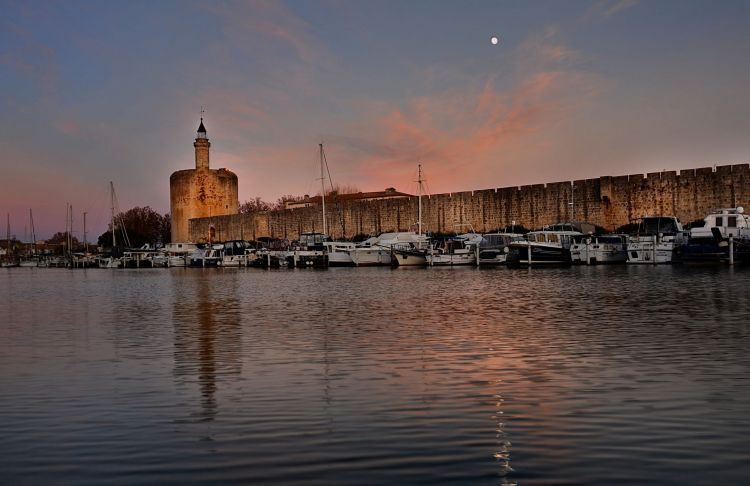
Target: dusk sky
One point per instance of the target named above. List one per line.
(103, 90)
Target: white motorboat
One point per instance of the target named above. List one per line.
(548, 246)
(411, 250)
(372, 252)
(339, 253)
(659, 239)
(593, 249)
(235, 253)
(178, 254)
(206, 257)
(457, 250)
(710, 243)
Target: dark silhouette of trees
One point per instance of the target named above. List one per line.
(142, 225)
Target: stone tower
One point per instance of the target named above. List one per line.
(201, 192)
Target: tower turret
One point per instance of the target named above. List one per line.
(201, 147)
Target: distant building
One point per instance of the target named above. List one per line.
(307, 201)
(201, 192)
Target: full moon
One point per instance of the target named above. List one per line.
(494, 40)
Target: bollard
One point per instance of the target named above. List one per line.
(731, 250)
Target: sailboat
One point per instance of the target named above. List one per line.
(310, 250)
(111, 261)
(31, 260)
(413, 252)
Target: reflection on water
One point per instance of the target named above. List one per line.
(207, 333)
(592, 375)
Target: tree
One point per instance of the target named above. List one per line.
(142, 225)
(281, 202)
(256, 205)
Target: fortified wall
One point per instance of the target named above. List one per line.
(608, 201)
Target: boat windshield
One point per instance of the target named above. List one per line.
(653, 226)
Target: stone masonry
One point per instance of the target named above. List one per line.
(608, 201)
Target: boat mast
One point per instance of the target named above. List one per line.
(323, 190)
(33, 232)
(419, 199)
(112, 206)
(85, 242)
(7, 255)
(70, 234)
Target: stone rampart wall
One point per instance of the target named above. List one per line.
(609, 202)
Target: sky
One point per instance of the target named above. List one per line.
(92, 92)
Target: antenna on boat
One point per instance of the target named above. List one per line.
(323, 189)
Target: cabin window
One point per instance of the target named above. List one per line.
(552, 238)
(719, 221)
(732, 221)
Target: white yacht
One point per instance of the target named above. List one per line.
(411, 250)
(709, 243)
(339, 253)
(178, 254)
(659, 240)
(458, 250)
(206, 257)
(235, 253)
(593, 249)
(729, 221)
(548, 246)
(374, 251)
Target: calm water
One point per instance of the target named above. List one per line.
(593, 375)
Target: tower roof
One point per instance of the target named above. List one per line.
(201, 128)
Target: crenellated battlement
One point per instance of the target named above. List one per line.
(607, 201)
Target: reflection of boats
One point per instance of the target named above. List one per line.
(659, 240)
(593, 249)
(710, 243)
(548, 246)
(492, 247)
(457, 250)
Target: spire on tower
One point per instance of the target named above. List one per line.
(201, 128)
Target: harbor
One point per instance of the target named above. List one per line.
(492, 376)
(374, 243)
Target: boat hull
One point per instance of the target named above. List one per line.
(371, 257)
(518, 255)
(406, 258)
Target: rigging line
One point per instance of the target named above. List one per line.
(325, 159)
(338, 203)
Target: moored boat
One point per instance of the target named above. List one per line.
(549, 246)
(492, 247)
(597, 249)
(457, 250)
(711, 243)
(659, 239)
(339, 253)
